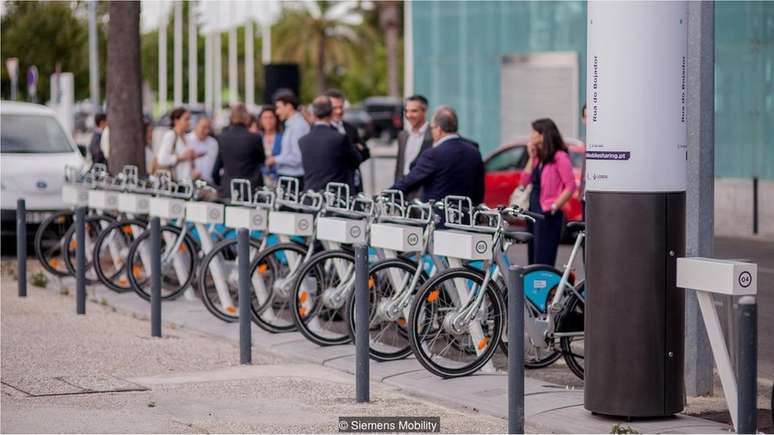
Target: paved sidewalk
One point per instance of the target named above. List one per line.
(549, 408)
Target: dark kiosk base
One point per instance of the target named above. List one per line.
(634, 313)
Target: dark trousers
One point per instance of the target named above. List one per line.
(547, 234)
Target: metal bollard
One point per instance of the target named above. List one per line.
(80, 260)
(245, 333)
(155, 228)
(362, 369)
(516, 350)
(21, 246)
(747, 411)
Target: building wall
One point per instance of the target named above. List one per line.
(458, 47)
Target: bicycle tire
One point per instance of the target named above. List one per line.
(571, 320)
(407, 266)
(48, 242)
(93, 229)
(539, 361)
(118, 281)
(174, 290)
(227, 248)
(433, 291)
(303, 315)
(270, 265)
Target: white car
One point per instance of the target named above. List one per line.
(34, 149)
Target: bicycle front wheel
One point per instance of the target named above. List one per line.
(49, 242)
(442, 345)
(320, 293)
(272, 274)
(571, 322)
(112, 251)
(218, 279)
(178, 262)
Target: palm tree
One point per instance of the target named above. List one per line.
(325, 32)
(124, 89)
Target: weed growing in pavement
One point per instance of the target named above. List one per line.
(39, 279)
(103, 301)
(618, 428)
(65, 291)
(151, 404)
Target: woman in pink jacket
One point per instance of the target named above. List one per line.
(549, 170)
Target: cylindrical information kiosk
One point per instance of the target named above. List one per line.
(636, 181)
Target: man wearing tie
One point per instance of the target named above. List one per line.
(452, 166)
(327, 155)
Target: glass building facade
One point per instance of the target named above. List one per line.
(458, 47)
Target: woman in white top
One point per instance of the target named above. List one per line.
(174, 153)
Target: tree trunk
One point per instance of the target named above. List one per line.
(320, 63)
(124, 87)
(389, 22)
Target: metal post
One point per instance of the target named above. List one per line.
(21, 246)
(245, 338)
(80, 260)
(516, 350)
(155, 228)
(748, 366)
(362, 368)
(93, 57)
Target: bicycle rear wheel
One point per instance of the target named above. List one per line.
(220, 268)
(112, 250)
(272, 274)
(449, 350)
(48, 242)
(177, 266)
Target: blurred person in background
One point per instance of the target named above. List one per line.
(240, 153)
(174, 152)
(287, 162)
(147, 126)
(414, 140)
(452, 166)
(549, 169)
(252, 125)
(206, 148)
(582, 187)
(269, 128)
(337, 121)
(100, 124)
(328, 156)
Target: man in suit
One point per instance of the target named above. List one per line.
(337, 121)
(240, 153)
(327, 155)
(100, 124)
(453, 166)
(415, 140)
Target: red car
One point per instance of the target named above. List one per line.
(503, 172)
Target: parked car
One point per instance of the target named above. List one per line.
(386, 114)
(503, 171)
(34, 150)
(357, 116)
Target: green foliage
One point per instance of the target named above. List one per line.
(621, 429)
(39, 279)
(47, 33)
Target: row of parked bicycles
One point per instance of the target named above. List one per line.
(436, 280)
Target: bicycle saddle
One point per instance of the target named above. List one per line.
(580, 226)
(518, 236)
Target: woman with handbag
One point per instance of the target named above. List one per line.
(174, 153)
(549, 173)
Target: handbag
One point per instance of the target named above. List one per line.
(520, 196)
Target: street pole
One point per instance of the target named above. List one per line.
(218, 77)
(155, 269)
(193, 48)
(93, 58)
(699, 199)
(747, 403)
(208, 70)
(80, 260)
(362, 369)
(249, 65)
(245, 333)
(233, 79)
(266, 43)
(163, 65)
(21, 246)
(516, 350)
(177, 55)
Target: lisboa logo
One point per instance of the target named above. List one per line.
(355, 232)
(257, 220)
(112, 200)
(481, 246)
(303, 225)
(177, 208)
(214, 214)
(143, 203)
(413, 239)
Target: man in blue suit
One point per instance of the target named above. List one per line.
(453, 166)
